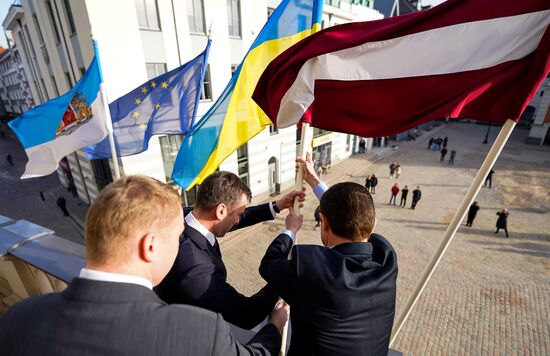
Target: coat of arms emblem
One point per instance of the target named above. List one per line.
(78, 113)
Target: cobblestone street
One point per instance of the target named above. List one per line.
(490, 294)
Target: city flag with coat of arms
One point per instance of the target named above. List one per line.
(62, 125)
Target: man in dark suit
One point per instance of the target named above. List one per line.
(198, 276)
(132, 235)
(342, 294)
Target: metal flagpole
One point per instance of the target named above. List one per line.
(305, 143)
(107, 113)
(490, 160)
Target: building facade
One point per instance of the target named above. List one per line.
(140, 39)
(540, 128)
(14, 89)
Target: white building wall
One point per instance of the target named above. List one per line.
(541, 101)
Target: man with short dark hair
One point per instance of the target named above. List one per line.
(132, 234)
(342, 294)
(199, 276)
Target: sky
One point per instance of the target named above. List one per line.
(5, 5)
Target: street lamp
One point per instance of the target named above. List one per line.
(487, 134)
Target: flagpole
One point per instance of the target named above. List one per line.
(107, 113)
(490, 160)
(299, 186)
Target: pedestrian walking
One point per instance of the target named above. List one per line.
(404, 193)
(445, 141)
(398, 171)
(62, 204)
(472, 213)
(317, 216)
(452, 158)
(392, 169)
(489, 179)
(9, 158)
(417, 194)
(394, 192)
(367, 182)
(443, 153)
(502, 221)
(373, 184)
(430, 143)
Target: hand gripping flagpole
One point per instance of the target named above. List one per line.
(109, 122)
(490, 160)
(304, 145)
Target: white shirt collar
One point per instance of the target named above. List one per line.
(114, 277)
(192, 221)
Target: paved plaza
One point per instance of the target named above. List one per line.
(490, 294)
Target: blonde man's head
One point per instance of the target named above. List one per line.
(124, 208)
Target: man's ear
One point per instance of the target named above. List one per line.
(221, 211)
(148, 247)
(324, 223)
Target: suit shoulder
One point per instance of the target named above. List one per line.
(32, 306)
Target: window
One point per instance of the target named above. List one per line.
(55, 86)
(155, 69)
(273, 129)
(147, 13)
(319, 132)
(206, 93)
(69, 80)
(169, 147)
(54, 24)
(234, 17)
(195, 14)
(242, 163)
(270, 11)
(70, 16)
(40, 38)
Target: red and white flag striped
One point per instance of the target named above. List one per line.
(478, 59)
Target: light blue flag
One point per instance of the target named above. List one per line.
(62, 125)
(165, 105)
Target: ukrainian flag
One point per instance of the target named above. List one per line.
(235, 118)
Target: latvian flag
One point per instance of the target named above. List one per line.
(477, 59)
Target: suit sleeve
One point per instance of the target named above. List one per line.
(277, 270)
(266, 342)
(253, 215)
(210, 291)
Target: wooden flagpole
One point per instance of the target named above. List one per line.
(490, 160)
(305, 143)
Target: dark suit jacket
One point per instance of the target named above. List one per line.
(342, 300)
(107, 318)
(198, 277)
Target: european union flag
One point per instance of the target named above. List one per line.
(165, 105)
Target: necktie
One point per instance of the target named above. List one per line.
(217, 248)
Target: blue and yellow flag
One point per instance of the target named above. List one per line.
(164, 105)
(235, 118)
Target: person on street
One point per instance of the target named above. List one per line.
(502, 221)
(489, 179)
(472, 213)
(452, 158)
(317, 216)
(393, 166)
(9, 158)
(443, 153)
(417, 194)
(404, 193)
(397, 171)
(62, 204)
(394, 192)
(373, 184)
(367, 182)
